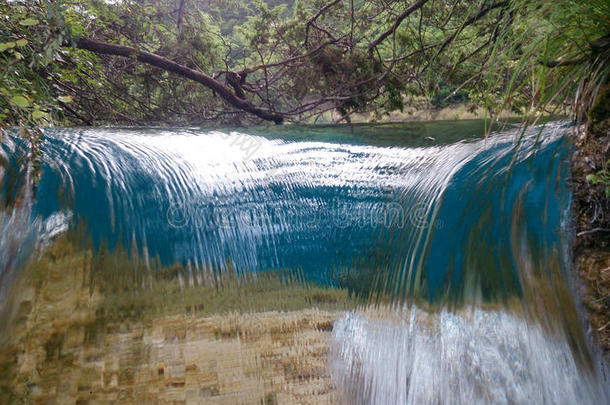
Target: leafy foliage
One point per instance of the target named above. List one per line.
(550, 55)
(602, 177)
(297, 59)
(30, 53)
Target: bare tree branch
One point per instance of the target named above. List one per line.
(482, 13)
(291, 59)
(413, 7)
(180, 15)
(316, 16)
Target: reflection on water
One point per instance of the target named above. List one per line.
(375, 264)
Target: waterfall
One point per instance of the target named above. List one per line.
(454, 247)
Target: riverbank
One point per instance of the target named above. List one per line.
(419, 110)
(591, 213)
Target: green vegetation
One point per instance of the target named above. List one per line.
(601, 177)
(133, 62)
(556, 54)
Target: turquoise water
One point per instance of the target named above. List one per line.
(404, 211)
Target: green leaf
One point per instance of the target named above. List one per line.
(65, 99)
(21, 42)
(20, 101)
(28, 22)
(592, 178)
(6, 45)
(38, 115)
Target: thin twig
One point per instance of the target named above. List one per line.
(594, 230)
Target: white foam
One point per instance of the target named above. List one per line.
(489, 357)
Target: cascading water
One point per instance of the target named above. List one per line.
(21, 231)
(454, 245)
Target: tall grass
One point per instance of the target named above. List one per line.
(551, 56)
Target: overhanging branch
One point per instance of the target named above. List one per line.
(152, 59)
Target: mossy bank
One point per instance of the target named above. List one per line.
(591, 213)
